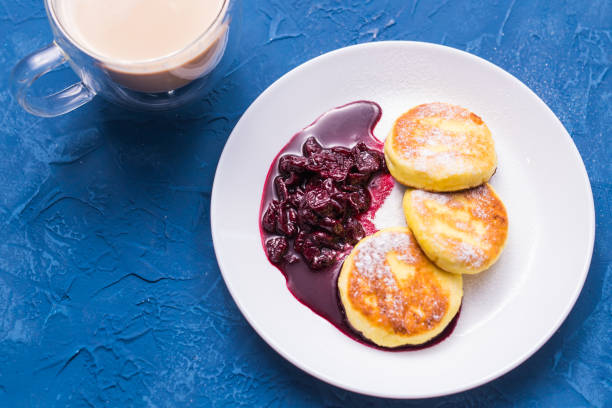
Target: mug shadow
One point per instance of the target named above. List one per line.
(135, 186)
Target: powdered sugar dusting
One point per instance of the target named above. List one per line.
(483, 200)
(469, 255)
(371, 257)
(422, 195)
(423, 137)
(432, 148)
(481, 212)
(444, 110)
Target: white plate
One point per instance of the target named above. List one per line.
(508, 311)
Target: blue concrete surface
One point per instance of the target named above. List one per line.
(110, 294)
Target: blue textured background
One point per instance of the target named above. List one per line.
(110, 294)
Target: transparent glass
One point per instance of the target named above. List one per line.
(158, 84)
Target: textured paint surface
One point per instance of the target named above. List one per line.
(110, 294)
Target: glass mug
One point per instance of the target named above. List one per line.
(156, 84)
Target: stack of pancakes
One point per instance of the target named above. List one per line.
(403, 286)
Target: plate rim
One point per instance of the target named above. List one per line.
(494, 375)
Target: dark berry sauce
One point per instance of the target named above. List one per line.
(321, 194)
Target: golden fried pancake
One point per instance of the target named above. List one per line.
(393, 294)
(440, 147)
(462, 232)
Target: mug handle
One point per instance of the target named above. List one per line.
(37, 64)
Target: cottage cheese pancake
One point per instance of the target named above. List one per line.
(440, 147)
(393, 294)
(462, 232)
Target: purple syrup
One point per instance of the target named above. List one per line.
(343, 126)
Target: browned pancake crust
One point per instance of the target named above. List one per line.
(410, 304)
(440, 147)
(411, 131)
(484, 208)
